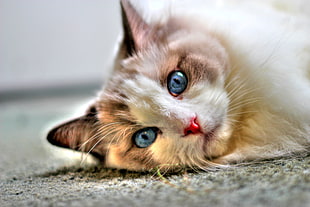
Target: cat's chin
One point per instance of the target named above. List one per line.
(206, 137)
(215, 142)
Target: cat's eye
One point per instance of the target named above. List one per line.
(177, 83)
(145, 137)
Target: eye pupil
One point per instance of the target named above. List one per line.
(177, 83)
(145, 137)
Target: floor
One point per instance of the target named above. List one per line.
(33, 173)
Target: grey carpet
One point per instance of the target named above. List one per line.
(32, 175)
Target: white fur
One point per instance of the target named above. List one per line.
(270, 43)
(270, 48)
(264, 104)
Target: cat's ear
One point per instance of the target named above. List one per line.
(77, 134)
(137, 33)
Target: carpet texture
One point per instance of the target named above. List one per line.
(36, 174)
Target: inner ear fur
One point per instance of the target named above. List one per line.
(137, 33)
(77, 134)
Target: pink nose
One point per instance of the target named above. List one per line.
(193, 128)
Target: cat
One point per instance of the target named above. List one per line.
(210, 84)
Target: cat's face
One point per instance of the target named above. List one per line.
(165, 105)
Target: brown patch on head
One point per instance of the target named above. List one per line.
(196, 67)
(199, 68)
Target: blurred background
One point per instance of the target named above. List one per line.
(59, 44)
(54, 55)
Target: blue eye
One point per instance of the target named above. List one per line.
(145, 137)
(177, 83)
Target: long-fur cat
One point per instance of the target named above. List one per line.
(210, 83)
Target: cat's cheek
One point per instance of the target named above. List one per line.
(216, 149)
(135, 159)
(112, 160)
(163, 152)
(115, 160)
(172, 151)
(221, 144)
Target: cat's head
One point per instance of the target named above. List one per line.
(165, 104)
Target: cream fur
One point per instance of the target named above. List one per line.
(269, 48)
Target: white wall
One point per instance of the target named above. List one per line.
(55, 42)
